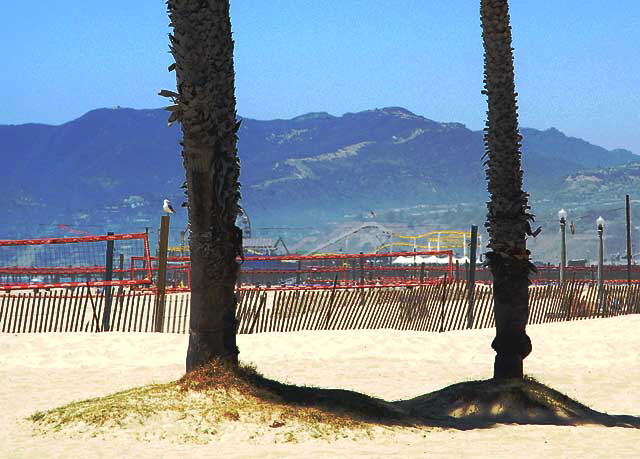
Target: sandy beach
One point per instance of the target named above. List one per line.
(593, 361)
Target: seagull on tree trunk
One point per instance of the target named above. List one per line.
(167, 207)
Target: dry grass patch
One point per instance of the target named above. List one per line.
(218, 401)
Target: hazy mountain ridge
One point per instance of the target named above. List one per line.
(113, 166)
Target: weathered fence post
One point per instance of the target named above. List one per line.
(571, 295)
(119, 293)
(361, 269)
(471, 278)
(263, 302)
(443, 302)
(107, 289)
(93, 306)
(331, 297)
(161, 280)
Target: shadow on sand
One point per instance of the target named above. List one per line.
(465, 405)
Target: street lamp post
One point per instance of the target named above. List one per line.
(562, 215)
(600, 226)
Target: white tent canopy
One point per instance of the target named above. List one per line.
(420, 259)
(428, 260)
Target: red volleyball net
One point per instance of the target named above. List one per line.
(318, 271)
(347, 269)
(178, 270)
(98, 261)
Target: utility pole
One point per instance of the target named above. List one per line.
(562, 215)
(600, 226)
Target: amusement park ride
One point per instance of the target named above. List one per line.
(433, 240)
(391, 241)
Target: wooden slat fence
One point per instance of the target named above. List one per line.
(435, 308)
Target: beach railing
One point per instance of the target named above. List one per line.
(437, 307)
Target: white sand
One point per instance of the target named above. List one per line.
(593, 361)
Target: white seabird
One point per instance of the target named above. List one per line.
(167, 207)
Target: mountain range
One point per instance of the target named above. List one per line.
(111, 168)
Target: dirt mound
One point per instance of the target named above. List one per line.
(522, 401)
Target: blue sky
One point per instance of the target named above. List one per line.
(577, 61)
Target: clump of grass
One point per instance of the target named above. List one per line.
(200, 405)
(112, 410)
(318, 405)
(219, 375)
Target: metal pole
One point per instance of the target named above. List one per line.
(600, 268)
(628, 240)
(563, 249)
(414, 261)
(354, 275)
(146, 232)
(472, 274)
(163, 242)
(121, 266)
(107, 290)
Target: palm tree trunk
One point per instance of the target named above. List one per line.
(508, 221)
(205, 105)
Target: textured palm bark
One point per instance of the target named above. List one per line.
(205, 106)
(508, 221)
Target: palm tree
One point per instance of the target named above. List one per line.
(508, 220)
(205, 106)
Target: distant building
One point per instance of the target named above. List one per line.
(251, 246)
(578, 263)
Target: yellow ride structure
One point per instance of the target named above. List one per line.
(433, 240)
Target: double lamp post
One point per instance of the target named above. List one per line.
(562, 216)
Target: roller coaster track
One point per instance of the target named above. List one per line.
(365, 226)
